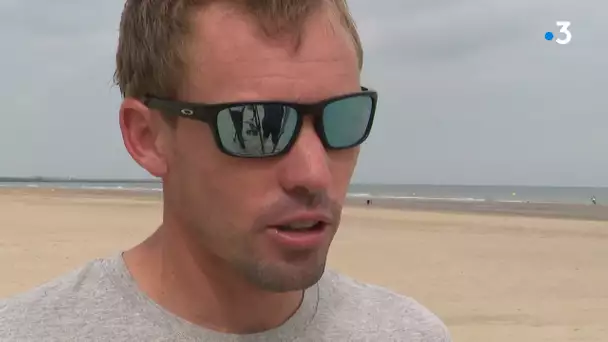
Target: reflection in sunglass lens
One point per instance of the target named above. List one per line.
(345, 121)
(256, 130)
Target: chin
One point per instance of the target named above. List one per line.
(295, 273)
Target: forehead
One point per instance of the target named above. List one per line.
(229, 59)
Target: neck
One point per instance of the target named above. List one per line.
(170, 268)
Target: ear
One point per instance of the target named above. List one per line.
(144, 136)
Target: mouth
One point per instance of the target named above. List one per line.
(307, 234)
(301, 227)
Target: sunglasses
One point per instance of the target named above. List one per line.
(269, 129)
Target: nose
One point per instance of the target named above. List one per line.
(305, 171)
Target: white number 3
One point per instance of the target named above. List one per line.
(564, 25)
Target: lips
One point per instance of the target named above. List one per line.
(301, 226)
(302, 221)
(304, 231)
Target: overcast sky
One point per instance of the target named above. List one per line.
(470, 91)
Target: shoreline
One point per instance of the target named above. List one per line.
(521, 209)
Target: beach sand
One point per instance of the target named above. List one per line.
(491, 275)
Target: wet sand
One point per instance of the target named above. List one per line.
(493, 272)
(547, 210)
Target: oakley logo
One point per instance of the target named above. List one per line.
(187, 111)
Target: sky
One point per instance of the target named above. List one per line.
(470, 91)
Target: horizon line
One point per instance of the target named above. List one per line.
(11, 179)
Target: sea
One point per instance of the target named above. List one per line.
(459, 193)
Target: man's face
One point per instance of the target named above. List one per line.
(232, 206)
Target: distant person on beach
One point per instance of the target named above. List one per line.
(593, 200)
(241, 252)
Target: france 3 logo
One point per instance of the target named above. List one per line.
(564, 36)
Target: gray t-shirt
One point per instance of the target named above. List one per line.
(101, 302)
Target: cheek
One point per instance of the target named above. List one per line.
(342, 164)
(220, 187)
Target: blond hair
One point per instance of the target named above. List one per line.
(153, 33)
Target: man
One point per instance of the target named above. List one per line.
(271, 124)
(236, 115)
(241, 252)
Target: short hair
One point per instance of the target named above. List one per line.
(150, 58)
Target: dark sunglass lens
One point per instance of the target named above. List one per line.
(258, 130)
(346, 121)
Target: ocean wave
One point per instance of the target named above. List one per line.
(365, 195)
(122, 187)
(420, 198)
(118, 187)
